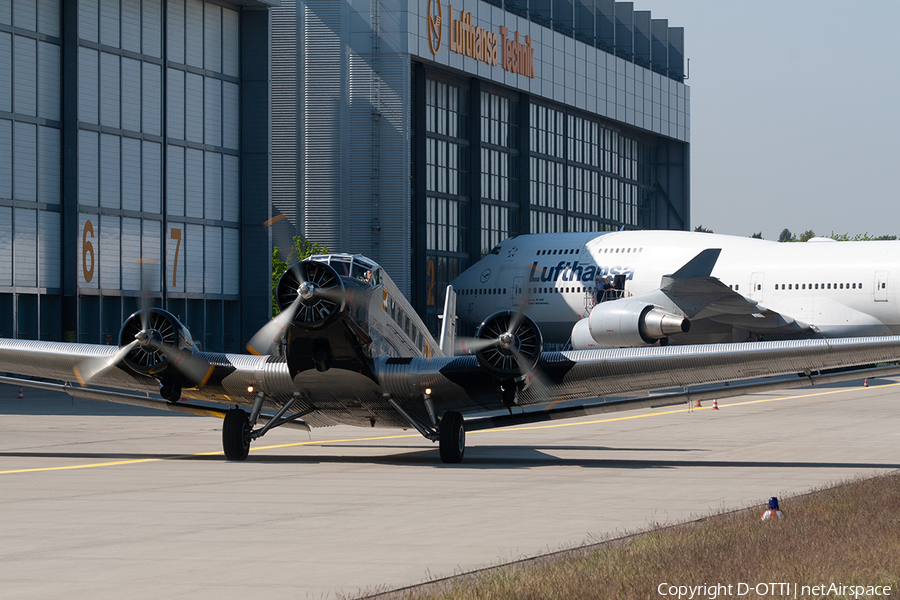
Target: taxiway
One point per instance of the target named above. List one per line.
(102, 500)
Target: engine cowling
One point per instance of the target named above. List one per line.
(164, 328)
(517, 345)
(626, 324)
(320, 291)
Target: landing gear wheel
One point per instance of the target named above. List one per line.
(236, 435)
(453, 437)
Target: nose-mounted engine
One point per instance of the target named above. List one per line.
(318, 318)
(312, 292)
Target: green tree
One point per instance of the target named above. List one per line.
(702, 229)
(301, 249)
(786, 235)
(860, 237)
(806, 235)
(757, 235)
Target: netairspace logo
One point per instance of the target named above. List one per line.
(774, 590)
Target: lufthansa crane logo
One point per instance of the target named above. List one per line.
(434, 25)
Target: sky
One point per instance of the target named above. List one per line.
(795, 114)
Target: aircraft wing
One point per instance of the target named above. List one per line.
(709, 298)
(459, 383)
(231, 378)
(462, 384)
(698, 295)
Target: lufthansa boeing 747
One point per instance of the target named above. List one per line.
(645, 288)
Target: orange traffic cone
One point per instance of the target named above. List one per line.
(715, 405)
(697, 404)
(866, 382)
(21, 395)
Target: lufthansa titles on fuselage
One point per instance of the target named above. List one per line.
(569, 271)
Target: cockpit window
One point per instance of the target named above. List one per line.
(495, 250)
(362, 273)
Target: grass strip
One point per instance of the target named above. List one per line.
(847, 535)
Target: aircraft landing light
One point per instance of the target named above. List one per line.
(416, 435)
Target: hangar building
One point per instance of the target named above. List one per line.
(134, 154)
(144, 144)
(422, 132)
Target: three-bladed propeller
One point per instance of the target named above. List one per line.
(309, 294)
(153, 347)
(508, 344)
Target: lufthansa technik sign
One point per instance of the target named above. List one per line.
(481, 44)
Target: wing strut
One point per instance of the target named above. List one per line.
(427, 432)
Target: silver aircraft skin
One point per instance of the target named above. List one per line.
(348, 348)
(727, 288)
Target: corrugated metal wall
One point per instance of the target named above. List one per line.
(323, 105)
(285, 190)
(351, 137)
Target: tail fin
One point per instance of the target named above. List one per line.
(448, 327)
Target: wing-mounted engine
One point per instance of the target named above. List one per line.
(509, 345)
(312, 292)
(153, 331)
(152, 342)
(626, 324)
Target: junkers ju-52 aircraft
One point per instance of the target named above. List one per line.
(348, 348)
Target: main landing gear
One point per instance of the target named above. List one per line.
(452, 437)
(238, 431)
(236, 434)
(450, 431)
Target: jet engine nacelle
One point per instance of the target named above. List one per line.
(626, 324)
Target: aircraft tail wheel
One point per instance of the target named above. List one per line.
(453, 437)
(236, 434)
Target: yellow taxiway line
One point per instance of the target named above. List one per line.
(415, 435)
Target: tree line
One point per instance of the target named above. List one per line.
(787, 236)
